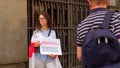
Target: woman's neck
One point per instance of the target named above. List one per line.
(44, 28)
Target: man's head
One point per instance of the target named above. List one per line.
(98, 3)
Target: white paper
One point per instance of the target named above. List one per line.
(50, 46)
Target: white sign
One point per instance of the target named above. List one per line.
(50, 46)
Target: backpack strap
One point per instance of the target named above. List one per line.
(107, 19)
(49, 32)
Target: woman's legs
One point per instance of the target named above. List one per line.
(51, 64)
(39, 64)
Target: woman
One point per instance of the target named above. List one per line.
(43, 31)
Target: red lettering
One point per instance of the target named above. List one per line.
(49, 43)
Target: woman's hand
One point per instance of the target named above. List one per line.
(37, 44)
(53, 56)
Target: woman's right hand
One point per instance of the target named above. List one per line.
(37, 44)
(53, 56)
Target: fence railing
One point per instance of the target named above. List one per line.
(65, 16)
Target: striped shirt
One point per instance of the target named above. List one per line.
(93, 20)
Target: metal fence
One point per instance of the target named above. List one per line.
(65, 16)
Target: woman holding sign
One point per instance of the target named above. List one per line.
(43, 31)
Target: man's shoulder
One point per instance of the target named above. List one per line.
(86, 19)
(116, 13)
(83, 23)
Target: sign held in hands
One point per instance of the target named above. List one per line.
(50, 46)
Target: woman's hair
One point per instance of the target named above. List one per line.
(47, 17)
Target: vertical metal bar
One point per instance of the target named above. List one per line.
(52, 12)
(60, 15)
(73, 16)
(76, 16)
(41, 7)
(85, 11)
(57, 15)
(46, 6)
(69, 33)
(63, 15)
(82, 13)
(28, 24)
(33, 13)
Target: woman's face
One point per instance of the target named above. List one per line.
(42, 20)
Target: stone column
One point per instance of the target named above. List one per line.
(13, 33)
(112, 2)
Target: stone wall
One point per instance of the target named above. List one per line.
(13, 33)
(114, 2)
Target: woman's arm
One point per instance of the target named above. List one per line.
(34, 39)
(37, 44)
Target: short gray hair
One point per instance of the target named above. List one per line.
(98, 2)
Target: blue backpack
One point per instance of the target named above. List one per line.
(101, 48)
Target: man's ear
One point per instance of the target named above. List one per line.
(89, 1)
